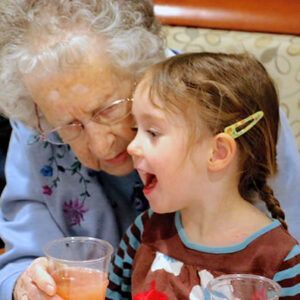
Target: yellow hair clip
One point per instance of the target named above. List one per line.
(232, 130)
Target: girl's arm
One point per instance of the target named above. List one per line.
(122, 262)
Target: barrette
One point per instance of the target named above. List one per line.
(233, 130)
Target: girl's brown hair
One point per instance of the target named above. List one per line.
(221, 89)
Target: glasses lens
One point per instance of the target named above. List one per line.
(65, 134)
(114, 113)
(70, 132)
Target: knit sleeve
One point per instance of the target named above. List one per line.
(121, 266)
(289, 275)
(25, 222)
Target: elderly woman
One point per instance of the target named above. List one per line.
(67, 73)
(68, 70)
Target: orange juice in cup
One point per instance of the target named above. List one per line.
(80, 284)
(79, 267)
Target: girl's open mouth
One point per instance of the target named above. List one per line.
(150, 183)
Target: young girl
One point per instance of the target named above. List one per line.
(207, 127)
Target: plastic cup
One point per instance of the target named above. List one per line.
(79, 266)
(243, 287)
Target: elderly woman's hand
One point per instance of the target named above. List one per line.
(36, 283)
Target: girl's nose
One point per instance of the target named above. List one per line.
(134, 148)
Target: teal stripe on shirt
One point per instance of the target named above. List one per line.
(119, 262)
(291, 291)
(113, 277)
(294, 252)
(132, 241)
(113, 294)
(124, 247)
(139, 224)
(117, 280)
(218, 250)
(287, 274)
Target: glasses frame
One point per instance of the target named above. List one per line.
(232, 130)
(44, 134)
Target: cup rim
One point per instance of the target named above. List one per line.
(77, 238)
(273, 283)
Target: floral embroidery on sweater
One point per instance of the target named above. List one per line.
(74, 209)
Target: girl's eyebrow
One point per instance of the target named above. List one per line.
(150, 117)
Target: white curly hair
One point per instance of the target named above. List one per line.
(55, 33)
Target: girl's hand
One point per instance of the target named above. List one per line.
(36, 283)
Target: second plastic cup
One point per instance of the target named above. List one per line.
(243, 287)
(79, 266)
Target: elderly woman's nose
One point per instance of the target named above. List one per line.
(100, 138)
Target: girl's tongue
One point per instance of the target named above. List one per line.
(150, 184)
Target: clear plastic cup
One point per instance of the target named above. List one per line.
(79, 266)
(243, 287)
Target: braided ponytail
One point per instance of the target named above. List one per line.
(273, 205)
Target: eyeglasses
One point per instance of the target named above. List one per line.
(233, 131)
(108, 115)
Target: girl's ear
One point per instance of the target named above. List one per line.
(224, 149)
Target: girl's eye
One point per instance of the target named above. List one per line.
(153, 133)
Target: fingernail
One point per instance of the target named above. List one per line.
(50, 289)
(24, 297)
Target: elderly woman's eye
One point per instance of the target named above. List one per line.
(108, 111)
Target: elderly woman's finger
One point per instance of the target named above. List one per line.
(36, 294)
(24, 288)
(40, 276)
(29, 291)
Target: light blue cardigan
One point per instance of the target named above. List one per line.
(49, 195)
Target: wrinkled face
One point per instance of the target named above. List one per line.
(74, 96)
(172, 172)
